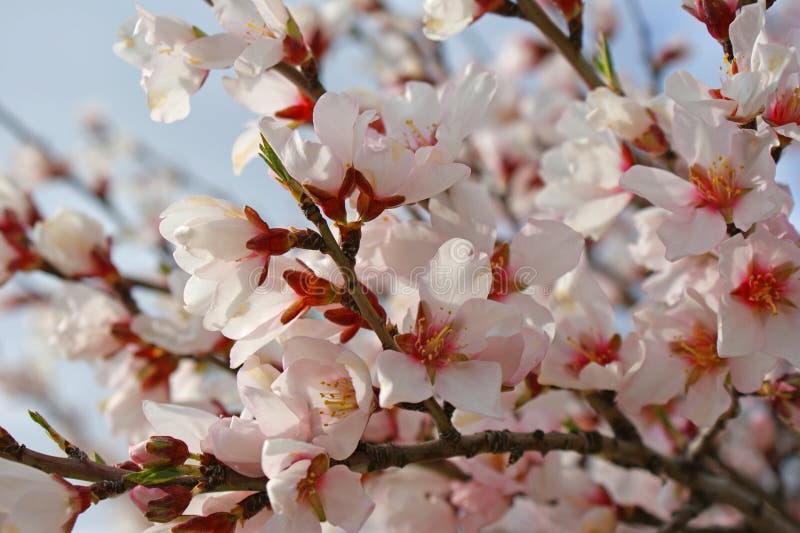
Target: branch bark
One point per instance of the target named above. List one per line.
(535, 14)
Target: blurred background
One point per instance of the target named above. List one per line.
(58, 73)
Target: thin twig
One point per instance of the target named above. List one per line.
(535, 14)
(603, 403)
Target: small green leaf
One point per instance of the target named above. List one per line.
(198, 32)
(97, 458)
(605, 64)
(271, 158)
(160, 475)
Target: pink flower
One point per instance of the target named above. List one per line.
(582, 175)
(586, 352)
(324, 395)
(445, 349)
(731, 180)
(627, 118)
(680, 347)
(80, 320)
(422, 490)
(31, 500)
(225, 249)
(305, 490)
(758, 311)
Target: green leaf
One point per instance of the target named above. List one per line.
(271, 158)
(605, 64)
(160, 475)
(198, 32)
(97, 458)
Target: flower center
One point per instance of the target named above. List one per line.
(415, 138)
(716, 186)
(765, 289)
(339, 399)
(784, 108)
(699, 348)
(589, 349)
(434, 344)
(307, 487)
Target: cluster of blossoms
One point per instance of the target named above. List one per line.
(495, 279)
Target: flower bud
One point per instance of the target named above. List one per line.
(162, 504)
(213, 523)
(571, 9)
(717, 15)
(159, 451)
(73, 243)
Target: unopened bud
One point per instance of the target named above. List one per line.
(162, 504)
(717, 15)
(159, 451)
(213, 523)
(571, 9)
(274, 241)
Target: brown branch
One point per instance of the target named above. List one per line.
(603, 403)
(534, 13)
(371, 457)
(365, 307)
(682, 516)
(310, 87)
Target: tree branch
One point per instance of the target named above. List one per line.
(603, 403)
(534, 13)
(311, 88)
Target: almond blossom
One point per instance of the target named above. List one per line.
(730, 181)
(582, 175)
(305, 490)
(73, 243)
(35, 501)
(445, 351)
(156, 45)
(255, 39)
(680, 358)
(586, 352)
(758, 309)
(324, 395)
(412, 162)
(226, 251)
(445, 18)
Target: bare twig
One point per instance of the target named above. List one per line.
(535, 14)
(311, 88)
(603, 403)
(681, 517)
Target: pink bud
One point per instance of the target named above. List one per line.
(159, 451)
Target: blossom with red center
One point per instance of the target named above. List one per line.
(586, 352)
(681, 362)
(731, 181)
(456, 347)
(783, 111)
(763, 289)
(597, 350)
(758, 310)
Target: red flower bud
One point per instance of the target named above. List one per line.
(213, 523)
(717, 15)
(162, 504)
(571, 9)
(159, 451)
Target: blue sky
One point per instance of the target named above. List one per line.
(56, 59)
